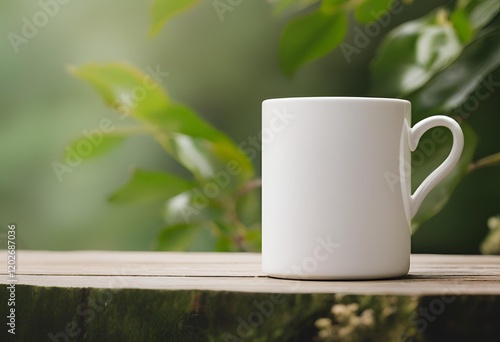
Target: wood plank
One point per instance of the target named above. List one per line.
(142, 296)
(138, 263)
(241, 272)
(411, 286)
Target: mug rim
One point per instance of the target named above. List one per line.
(339, 98)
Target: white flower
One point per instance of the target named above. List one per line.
(366, 318)
(323, 323)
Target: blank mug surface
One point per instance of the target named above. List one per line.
(335, 189)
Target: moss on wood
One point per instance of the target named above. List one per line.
(83, 314)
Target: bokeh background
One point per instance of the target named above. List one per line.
(223, 69)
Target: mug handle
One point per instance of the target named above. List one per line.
(438, 174)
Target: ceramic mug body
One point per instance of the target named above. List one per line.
(336, 200)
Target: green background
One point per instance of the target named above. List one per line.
(223, 69)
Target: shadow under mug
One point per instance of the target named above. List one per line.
(336, 176)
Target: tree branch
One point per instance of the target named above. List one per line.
(491, 160)
(247, 187)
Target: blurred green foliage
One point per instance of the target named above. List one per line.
(440, 55)
(412, 58)
(221, 171)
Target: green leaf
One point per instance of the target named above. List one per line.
(194, 143)
(195, 205)
(148, 186)
(371, 10)
(290, 6)
(224, 244)
(178, 237)
(412, 53)
(141, 96)
(94, 144)
(253, 238)
(331, 6)
(248, 207)
(163, 10)
(224, 233)
(221, 162)
(473, 15)
(126, 89)
(481, 12)
(310, 37)
(452, 86)
(176, 118)
(462, 26)
(431, 153)
(205, 240)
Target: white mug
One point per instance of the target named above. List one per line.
(330, 206)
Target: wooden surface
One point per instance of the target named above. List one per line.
(145, 296)
(241, 272)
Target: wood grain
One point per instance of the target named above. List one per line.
(241, 272)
